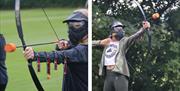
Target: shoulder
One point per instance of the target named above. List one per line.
(81, 47)
(124, 39)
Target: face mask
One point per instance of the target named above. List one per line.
(119, 33)
(118, 29)
(77, 32)
(76, 24)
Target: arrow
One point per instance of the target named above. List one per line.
(38, 44)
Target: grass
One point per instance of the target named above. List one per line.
(36, 30)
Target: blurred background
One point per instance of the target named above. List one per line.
(36, 30)
(160, 69)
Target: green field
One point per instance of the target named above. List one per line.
(36, 30)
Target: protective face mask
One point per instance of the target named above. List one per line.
(77, 32)
(119, 35)
(118, 29)
(119, 32)
(75, 25)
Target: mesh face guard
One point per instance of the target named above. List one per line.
(118, 28)
(76, 24)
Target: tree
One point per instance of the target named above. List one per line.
(160, 71)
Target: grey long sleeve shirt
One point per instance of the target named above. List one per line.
(121, 65)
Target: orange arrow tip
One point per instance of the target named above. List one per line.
(155, 16)
(10, 47)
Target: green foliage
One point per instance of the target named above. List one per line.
(158, 71)
(173, 21)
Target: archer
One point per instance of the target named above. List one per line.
(113, 63)
(73, 53)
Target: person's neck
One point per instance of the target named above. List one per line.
(84, 40)
(114, 40)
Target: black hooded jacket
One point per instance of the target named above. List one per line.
(76, 78)
(3, 72)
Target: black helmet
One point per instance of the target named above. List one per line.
(76, 16)
(117, 27)
(77, 34)
(116, 23)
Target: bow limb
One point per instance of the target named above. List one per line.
(148, 30)
(21, 36)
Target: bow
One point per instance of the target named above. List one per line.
(148, 30)
(21, 36)
(148, 34)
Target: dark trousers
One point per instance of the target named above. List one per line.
(115, 82)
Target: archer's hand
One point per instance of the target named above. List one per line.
(63, 44)
(146, 25)
(29, 53)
